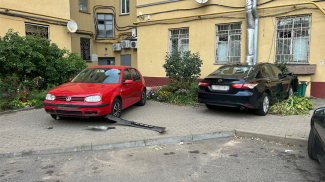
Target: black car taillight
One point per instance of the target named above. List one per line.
(204, 84)
(244, 85)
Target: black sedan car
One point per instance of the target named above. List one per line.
(245, 86)
(316, 145)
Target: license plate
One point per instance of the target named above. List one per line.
(68, 108)
(220, 87)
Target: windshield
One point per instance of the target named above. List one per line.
(98, 75)
(234, 70)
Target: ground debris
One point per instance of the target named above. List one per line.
(100, 128)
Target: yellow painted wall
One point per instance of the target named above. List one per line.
(85, 21)
(153, 39)
(57, 34)
(58, 8)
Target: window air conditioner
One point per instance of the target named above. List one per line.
(117, 47)
(126, 44)
(134, 44)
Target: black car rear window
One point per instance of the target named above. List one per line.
(98, 75)
(234, 70)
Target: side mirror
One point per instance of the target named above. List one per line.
(69, 79)
(128, 81)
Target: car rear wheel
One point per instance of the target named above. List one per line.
(143, 99)
(264, 105)
(311, 145)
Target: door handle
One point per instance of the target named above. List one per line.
(133, 86)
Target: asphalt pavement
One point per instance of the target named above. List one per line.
(222, 159)
(35, 132)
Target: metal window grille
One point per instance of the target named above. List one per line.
(228, 43)
(83, 5)
(85, 48)
(33, 29)
(125, 6)
(178, 40)
(292, 40)
(105, 25)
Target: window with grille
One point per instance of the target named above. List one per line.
(83, 5)
(178, 40)
(105, 25)
(85, 49)
(34, 29)
(292, 40)
(125, 7)
(228, 43)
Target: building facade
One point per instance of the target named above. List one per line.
(104, 32)
(30, 17)
(289, 31)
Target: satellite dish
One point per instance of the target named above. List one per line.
(201, 1)
(72, 26)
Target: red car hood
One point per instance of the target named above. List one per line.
(70, 89)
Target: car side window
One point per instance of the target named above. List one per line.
(266, 71)
(136, 75)
(126, 75)
(276, 70)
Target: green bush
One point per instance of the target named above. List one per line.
(177, 92)
(183, 66)
(293, 106)
(39, 97)
(34, 63)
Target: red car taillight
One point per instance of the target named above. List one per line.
(244, 85)
(204, 84)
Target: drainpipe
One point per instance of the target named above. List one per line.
(256, 20)
(249, 32)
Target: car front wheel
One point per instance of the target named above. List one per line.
(264, 105)
(311, 145)
(116, 108)
(56, 117)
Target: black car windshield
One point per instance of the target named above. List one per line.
(234, 70)
(98, 75)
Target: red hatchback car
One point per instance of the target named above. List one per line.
(97, 91)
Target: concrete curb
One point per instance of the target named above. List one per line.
(303, 142)
(139, 143)
(18, 110)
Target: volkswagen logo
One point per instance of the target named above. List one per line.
(68, 99)
(220, 80)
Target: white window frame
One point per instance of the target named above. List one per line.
(180, 37)
(125, 7)
(229, 57)
(291, 48)
(82, 6)
(38, 25)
